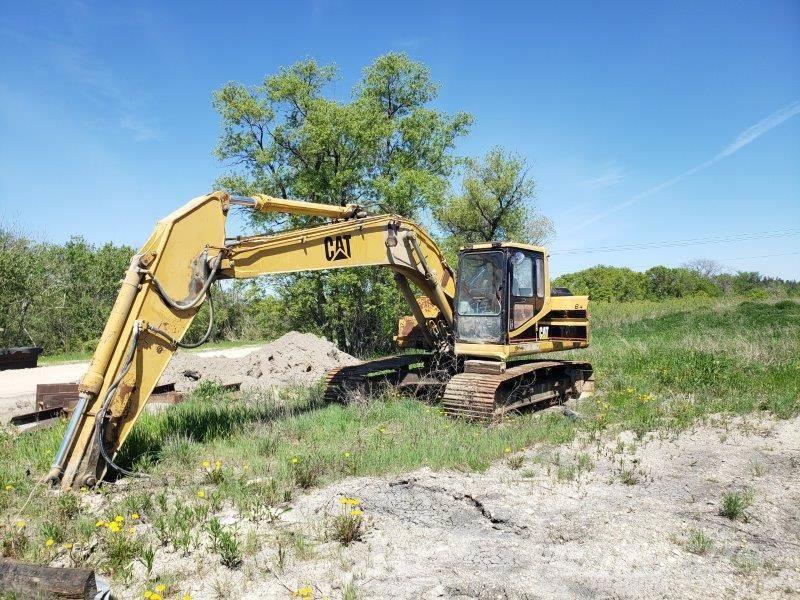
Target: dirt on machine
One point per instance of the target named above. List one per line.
(473, 339)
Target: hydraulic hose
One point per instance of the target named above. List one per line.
(203, 340)
(101, 415)
(201, 295)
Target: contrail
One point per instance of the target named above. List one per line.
(743, 139)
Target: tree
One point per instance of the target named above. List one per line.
(385, 149)
(496, 202)
(705, 267)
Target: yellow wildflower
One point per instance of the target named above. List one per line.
(20, 524)
(100, 524)
(629, 390)
(245, 466)
(507, 451)
(347, 455)
(135, 516)
(84, 488)
(304, 592)
(156, 597)
(49, 542)
(9, 488)
(295, 460)
(148, 594)
(206, 464)
(382, 429)
(131, 530)
(68, 546)
(160, 588)
(187, 597)
(218, 464)
(356, 512)
(119, 518)
(114, 527)
(201, 494)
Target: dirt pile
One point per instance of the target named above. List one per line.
(294, 358)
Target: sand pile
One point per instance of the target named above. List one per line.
(294, 358)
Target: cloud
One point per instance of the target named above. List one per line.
(749, 135)
(103, 86)
(612, 176)
(142, 132)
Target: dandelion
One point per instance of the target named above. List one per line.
(206, 464)
(68, 546)
(135, 516)
(160, 588)
(295, 460)
(507, 451)
(304, 592)
(49, 543)
(187, 597)
(100, 524)
(156, 597)
(382, 429)
(349, 501)
(629, 390)
(148, 594)
(119, 518)
(9, 488)
(245, 466)
(20, 524)
(347, 455)
(131, 530)
(201, 494)
(356, 512)
(114, 527)
(218, 464)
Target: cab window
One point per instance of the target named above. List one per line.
(527, 286)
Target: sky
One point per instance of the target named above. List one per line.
(657, 133)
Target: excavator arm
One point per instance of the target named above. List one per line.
(169, 279)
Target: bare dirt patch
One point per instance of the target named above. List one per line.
(623, 525)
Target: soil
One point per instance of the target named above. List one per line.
(619, 529)
(293, 359)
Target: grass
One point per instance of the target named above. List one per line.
(735, 504)
(658, 366)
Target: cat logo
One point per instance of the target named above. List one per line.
(337, 247)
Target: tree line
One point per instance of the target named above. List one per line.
(620, 284)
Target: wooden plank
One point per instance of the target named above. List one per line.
(37, 580)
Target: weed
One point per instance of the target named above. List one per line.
(147, 558)
(348, 526)
(698, 542)
(757, 468)
(516, 461)
(230, 551)
(734, 504)
(628, 476)
(350, 591)
(305, 472)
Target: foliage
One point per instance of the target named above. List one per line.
(495, 203)
(385, 149)
(620, 284)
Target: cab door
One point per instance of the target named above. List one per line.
(526, 286)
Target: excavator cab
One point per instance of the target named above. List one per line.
(500, 288)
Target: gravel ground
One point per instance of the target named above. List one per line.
(619, 529)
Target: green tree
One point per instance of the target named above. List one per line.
(385, 149)
(496, 202)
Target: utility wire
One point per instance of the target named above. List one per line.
(741, 237)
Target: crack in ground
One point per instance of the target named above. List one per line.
(497, 522)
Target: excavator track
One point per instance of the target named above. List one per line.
(486, 397)
(410, 373)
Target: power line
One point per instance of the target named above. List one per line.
(741, 237)
(722, 260)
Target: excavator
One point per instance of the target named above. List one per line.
(471, 338)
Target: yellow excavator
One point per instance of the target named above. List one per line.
(479, 328)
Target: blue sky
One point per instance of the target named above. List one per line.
(643, 122)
